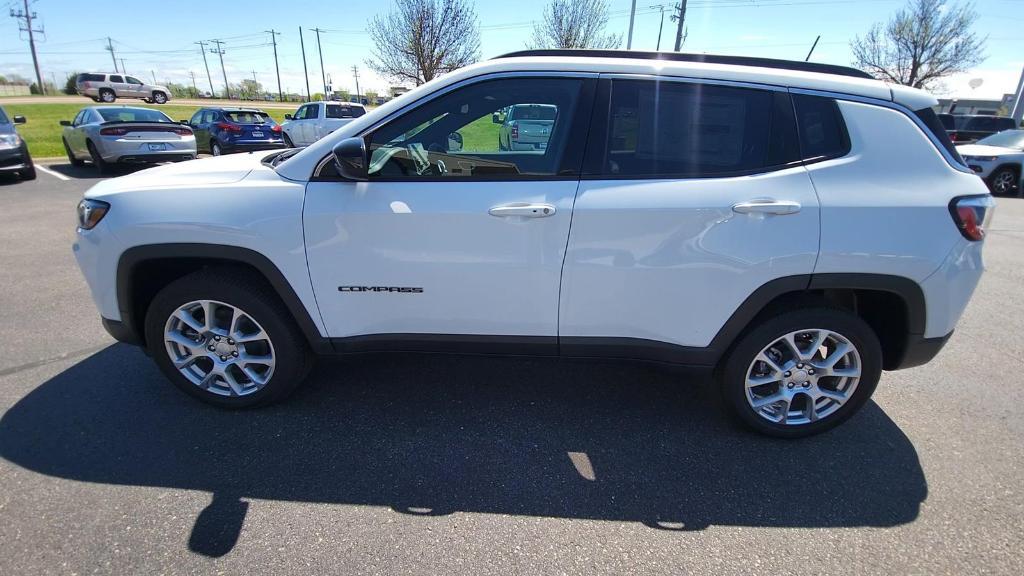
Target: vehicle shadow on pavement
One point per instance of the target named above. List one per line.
(433, 435)
(89, 172)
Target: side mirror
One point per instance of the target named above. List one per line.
(350, 158)
(19, 120)
(65, 122)
(287, 116)
(455, 142)
(185, 122)
(496, 118)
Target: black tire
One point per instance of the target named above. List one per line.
(732, 373)
(107, 95)
(215, 148)
(102, 166)
(159, 97)
(288, 141)
(1003, 180)
(242, 289)
(71, 156)
(501, 146)
(96, 99)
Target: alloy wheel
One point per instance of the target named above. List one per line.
(1004, 182)
(803, 377)
(219, 348)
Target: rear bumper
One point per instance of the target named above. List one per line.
(153, 158)
(252, 146)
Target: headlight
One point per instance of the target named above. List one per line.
(981, 158)
(90, 212)
(9, 141)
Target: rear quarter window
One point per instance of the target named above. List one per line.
(938, 131)
(821, 128)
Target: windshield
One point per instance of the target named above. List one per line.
(531, 112)
(132, 115)
(3, 117)
(1005, 139)
(248, 117)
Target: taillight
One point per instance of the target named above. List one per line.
(183, 131)
(275, 128)
(972, 215)
(515, 132)
(952, 136)
(113, 131)
(229, 127)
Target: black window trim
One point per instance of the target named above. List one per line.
(592, 163)
(581, 120)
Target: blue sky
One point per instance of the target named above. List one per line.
(158, 38)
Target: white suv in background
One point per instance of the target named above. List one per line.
(107, 88)
(791, 228)
(314, 120)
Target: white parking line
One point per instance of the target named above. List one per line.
(51, 172)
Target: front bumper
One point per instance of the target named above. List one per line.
(919, 351)
(14, 159)
(252, 146)
(121, 331)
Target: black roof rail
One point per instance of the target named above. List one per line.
(706, 58)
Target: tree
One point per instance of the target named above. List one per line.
(70, 84)
(344, 95)
(922, 43)
(574, 24)
(371, 97)
(423, 39)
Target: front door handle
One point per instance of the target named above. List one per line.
(767, 206)
(522, 210)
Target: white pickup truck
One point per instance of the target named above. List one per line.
(315, 120)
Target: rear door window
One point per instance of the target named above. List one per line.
(671, 129)
(116, 78)
(340, 111)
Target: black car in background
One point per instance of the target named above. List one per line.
(968, 128)
(14, 156)
(226, 130)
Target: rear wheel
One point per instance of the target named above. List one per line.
(97, 160)
(1003, 180)
(107, 95)
(215, 148)
(223, 337)
(802, 372)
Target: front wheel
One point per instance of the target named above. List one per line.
(1003, 180)
(223, 337)
(159, 98)
(288, 141)
(802, 372)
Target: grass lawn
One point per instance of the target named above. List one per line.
(480, 135)
(43, 130)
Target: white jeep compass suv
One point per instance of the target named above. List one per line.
(792, 228)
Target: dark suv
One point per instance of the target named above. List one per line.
(14, 157)
(226, 130)
(969, 128)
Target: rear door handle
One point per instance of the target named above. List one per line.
(767, 206)
(522, 210)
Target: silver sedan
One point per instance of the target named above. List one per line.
(108, 135)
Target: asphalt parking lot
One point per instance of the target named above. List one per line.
(468, 465)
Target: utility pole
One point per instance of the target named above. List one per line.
(273, 38)
(323, 76)
(1018, 102)
(681, 17)
(632, 15)
(153, 72)
(255, 86)
(202, 50)
(355, 72)
(220, 52)
(110, 48)
(25, 25)
(123, 69)
(813, 46)
(661, 25)
(305, 71)
(194, 89)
